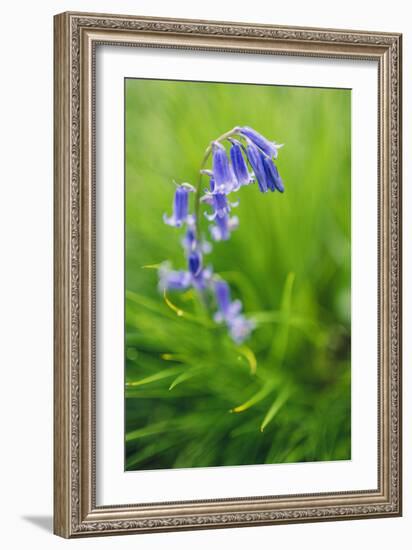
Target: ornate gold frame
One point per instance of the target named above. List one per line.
(75, 38)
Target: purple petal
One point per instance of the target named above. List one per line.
(195, 263)
(273, 178)
(268, 147)
(239, 164)
(240, 328)
(222, 172)
(171, 220)
(255, 158)
(173, 280)
(222, 294)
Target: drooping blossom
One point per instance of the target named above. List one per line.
(256, 157)
(229, 312)
(221, 206)
(270, 148)
(195, 276)
(227, 175)
(223, 176)
(273, 178)
(180, 206)
(240, 168)
(223, 227)
(170, 279)
(191, 243)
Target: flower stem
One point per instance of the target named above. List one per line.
(224, 136)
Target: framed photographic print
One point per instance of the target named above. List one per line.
(227, 274)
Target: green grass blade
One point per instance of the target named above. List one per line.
(249, 356)
(280, 343)
(275, 408)
(153, 429)
(261, 394)
(154, 377)
(183, 377)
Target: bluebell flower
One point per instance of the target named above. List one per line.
(197, 276)
(239, 164)
(273, 178)
(195, 263)
(240, 328)
(202, 280)
(228, 174)
(224, 178)
(223, 227)
(189, 241)
(270, 148)
(170, 279)
(221, 206)
(255, 157)
(180, 206)
(211, 179)
(230, 313)
(200, 277)
(227, 309)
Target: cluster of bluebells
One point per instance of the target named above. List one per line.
(250, 159)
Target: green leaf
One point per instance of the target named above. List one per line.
(280, 342)
(154, 377)
(148, 430)
(182, 377)
(261, 394)
(149, 451)
(249, 356)
(275, 408)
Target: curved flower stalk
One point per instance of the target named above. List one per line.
(250, 159)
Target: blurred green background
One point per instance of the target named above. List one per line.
(193, 398)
